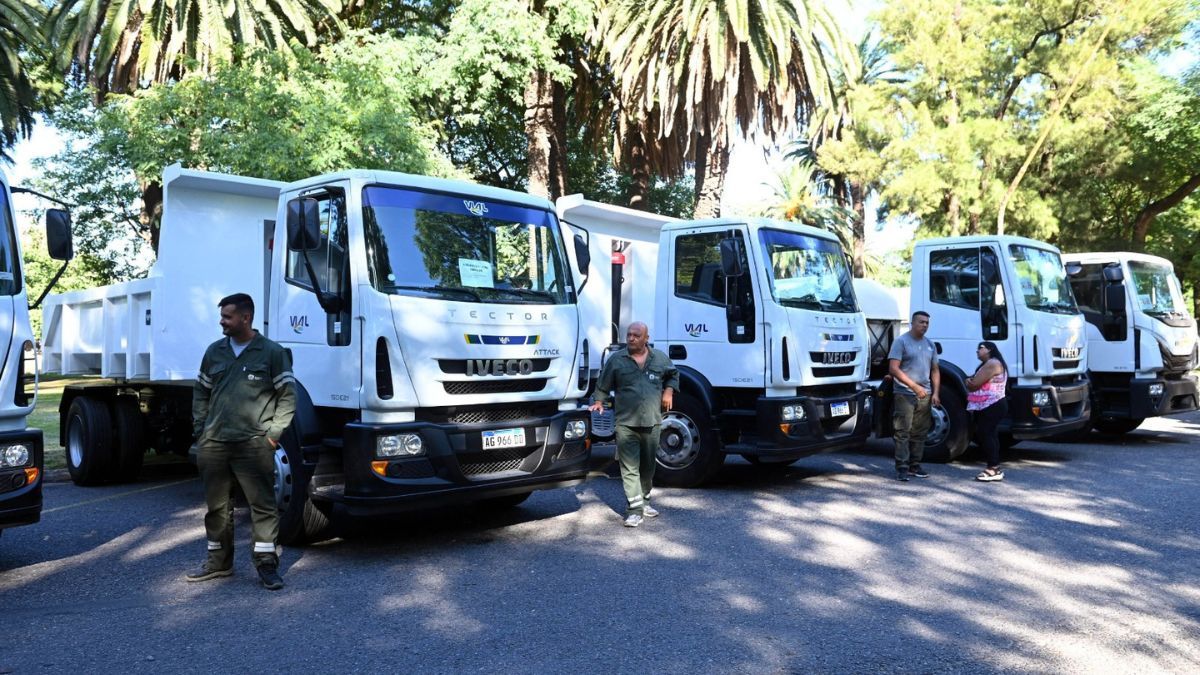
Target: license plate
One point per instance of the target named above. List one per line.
(839, 409)
(503, 438)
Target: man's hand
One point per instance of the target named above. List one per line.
(668, 399)
(274, 443)
(920, 392)
(596, 407)
(937, 399)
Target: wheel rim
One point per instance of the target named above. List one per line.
(283, 479)
(939, 426)
(679, 442)
(75, 442)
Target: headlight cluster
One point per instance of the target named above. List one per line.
(576, 429)
(399, 445)
(14, 456)
(1041, 398)
(791, 413)
(1156, 389)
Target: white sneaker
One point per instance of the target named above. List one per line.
(650, 511)
(633, 520)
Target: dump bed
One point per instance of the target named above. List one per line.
(215, 240)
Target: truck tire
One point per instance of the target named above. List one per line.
(949, 433)
(129, 442)
(1116, 426)
(300, 521)
(689, 452)
(89, 441)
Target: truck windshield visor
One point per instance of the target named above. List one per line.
(444, 246)
(1157, 289)
(808, 272)
(1043, 280)
(10, 277)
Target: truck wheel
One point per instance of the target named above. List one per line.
(89, 441)
(948, 434)
(300, 521)
(1116, 426)
(688, 451)
(129, 430)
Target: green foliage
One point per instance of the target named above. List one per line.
(22, 83)
(82, 272)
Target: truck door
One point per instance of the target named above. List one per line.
(324, 344)
(711, 320)
(1107, 327)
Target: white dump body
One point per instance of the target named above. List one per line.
(216, 239)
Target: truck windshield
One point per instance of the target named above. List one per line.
(10, 277)
(1156, 288)
(1042, 279)
(444, 246)
(808, 272)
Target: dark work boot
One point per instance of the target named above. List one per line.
(211, 569)
(268, 571)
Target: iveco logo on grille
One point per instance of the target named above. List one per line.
(1069, 353)
(836, 357)
(499, 366)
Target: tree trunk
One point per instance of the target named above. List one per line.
(858, 203)
(1145, 217)
(544, 132)
(952, 213)
(637, 161)
(152, 207)
(712, 160)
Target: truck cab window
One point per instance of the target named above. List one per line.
(954, 277)
(10, 272)
(698, 268)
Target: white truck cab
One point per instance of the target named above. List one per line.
(760, 318)
(1142, 344)
(1014, 292)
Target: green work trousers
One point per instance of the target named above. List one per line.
(636, 449)
(252, 464)
(911, 419)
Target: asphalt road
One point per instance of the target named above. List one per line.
(1084, 560)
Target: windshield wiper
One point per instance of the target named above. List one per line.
(440, 290)
(806, 302)
(529, 293)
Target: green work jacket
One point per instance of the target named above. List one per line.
(638, 390)
(237, 398)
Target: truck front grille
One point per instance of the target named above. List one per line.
(460, 388)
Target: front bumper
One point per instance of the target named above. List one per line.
(454, 469)
(1069, 409)
(1178, 396)
(819, 431)
(20, 498)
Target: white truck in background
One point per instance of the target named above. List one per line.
(21, 447)
(1012, 291)
(759, 317)
(433, 328)
(1142, 344)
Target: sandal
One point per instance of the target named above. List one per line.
(988, 475)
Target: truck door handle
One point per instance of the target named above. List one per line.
(677, 352)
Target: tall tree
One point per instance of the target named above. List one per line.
(20, 33)
(708, 69)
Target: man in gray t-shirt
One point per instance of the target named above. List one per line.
(913, 365)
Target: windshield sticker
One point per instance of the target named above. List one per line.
(502, 339)
(477, 273)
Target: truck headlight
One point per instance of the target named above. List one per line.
(1156, 389)
(1041, 398)
(399, 445)
(14, 455)
(791, 413)
(575, 430)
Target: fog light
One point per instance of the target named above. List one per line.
(1156, 389)
(399, 445)
(1041, 398)
(575, 430)
(15, 455)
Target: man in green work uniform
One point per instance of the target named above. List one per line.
(644, 382)
(243, 399)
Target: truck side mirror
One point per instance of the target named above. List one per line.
(1073, 268)
(1114, 298)
(583, 254)
(1113, 274)
(59, 242)
(303, 225)
(731, 258)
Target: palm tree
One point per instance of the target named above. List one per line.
(117, 45)
(699, 70)
(20, 30)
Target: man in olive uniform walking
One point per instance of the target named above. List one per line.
(644, 382)
(243, 399)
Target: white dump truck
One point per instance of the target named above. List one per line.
(21, 448)
(433, 327)
(1014, 292)
(759, 317)
(1141, 338)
